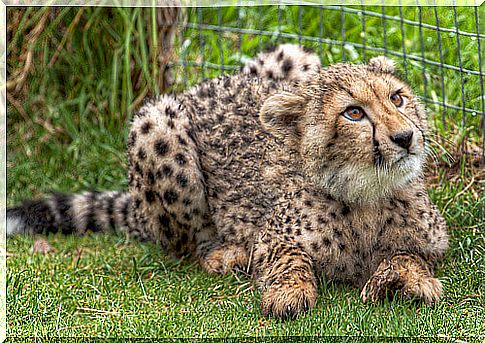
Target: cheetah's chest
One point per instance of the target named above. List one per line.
(344, 243)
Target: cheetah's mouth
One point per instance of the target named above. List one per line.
(405, 167)
(402, 162)
(402, 157)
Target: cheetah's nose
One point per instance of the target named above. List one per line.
(403, 139)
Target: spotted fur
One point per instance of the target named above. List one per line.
(284, 62)
(264, 172)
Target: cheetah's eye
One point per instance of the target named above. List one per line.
(397, 99)
(354, 113)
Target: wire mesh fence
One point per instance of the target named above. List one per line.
(117, 56)
(440, 51)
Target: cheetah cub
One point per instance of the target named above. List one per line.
(287, 170)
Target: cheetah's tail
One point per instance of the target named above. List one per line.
(70, 213)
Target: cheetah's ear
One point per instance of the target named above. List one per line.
(382, 64)
(281, 113)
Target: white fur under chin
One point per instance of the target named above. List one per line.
(14, 225)
(366, 185)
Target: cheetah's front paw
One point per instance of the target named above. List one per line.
(407, 273)
(288, 299)
(384, 280)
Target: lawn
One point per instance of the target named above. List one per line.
(67, 128)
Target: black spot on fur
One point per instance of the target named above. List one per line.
(308, 203)
(315, 246)
(150, 178)
(170, 112)
(337, 232)
(270, 74)
(186, 201)
(231, 231)
(167, 232)
(167, 170)
(280, 56)
(287, 66)
(181, 140)
(180, 159)
(308, 227)
(305, 67)
(341, 268)
(141, 113)
(146, 127)
(161, 147)
(341, 246)
(171, 124)
(138, 169)
(132, 139)
(326, 242)
(170, 196)
(227, 82)
(137, 203)
(345, 210)
(202, 92)
(182, 179)
(164, 220)
(142, 155)
(253, 70)
(187, 216)
(138, 184)
(355, 234)
(322, 220)
(150, 196)
(404, 203)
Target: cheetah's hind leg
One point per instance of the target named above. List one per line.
(225, 258)
(165, 179)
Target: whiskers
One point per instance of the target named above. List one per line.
(382, 170)
(437, 151)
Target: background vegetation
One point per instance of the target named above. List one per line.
(75, 76)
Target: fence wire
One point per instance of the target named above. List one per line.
(440, 51)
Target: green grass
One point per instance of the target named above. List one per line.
(105, 286)
(67, 128)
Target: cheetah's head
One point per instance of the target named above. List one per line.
(358, 129)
